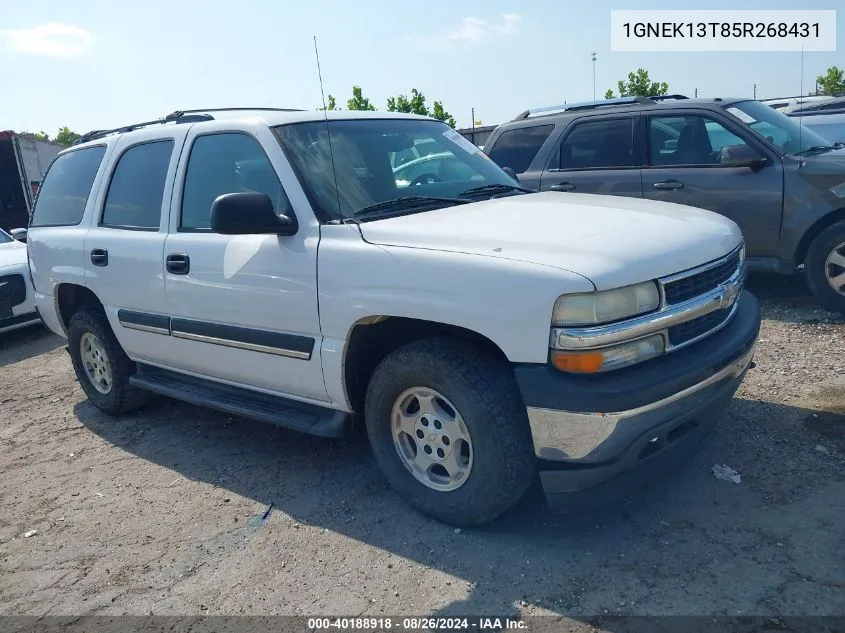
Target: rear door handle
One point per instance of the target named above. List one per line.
(100, 257)
(668, 184)
(178, 264)
(563, 186)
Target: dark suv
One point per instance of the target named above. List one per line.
(780, 182)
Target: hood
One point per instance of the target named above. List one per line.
(821, 171)
(611, 240)
(12, 254)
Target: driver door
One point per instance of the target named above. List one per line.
(683, 167)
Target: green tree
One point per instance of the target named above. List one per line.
(359, 101)
(415, 104)
(439, 113)
(332, 104)
(639, 85)
(832, 82)
(65, 137)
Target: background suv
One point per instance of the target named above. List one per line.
(782, 183)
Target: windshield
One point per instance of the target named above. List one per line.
(379, 160)
(780, 130)
(5, 237)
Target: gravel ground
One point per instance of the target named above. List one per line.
(159, 512)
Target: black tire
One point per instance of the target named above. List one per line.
(815, 268)
(484, 392)
(121, 397)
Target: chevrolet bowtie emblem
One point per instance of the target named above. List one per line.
(729, 294)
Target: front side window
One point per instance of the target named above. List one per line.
(136, 190)
(66, 187)
(517, 148)
(5, 238)
(229, 162)
(692, 140)
(347, 166)
(785, 133)
(599, 144)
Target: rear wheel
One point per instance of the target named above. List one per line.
(102, 367)
(449, 431)
(825, 267)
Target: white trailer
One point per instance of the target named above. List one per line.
(23, 162)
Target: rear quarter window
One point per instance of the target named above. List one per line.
(64, 193)
(517, 148)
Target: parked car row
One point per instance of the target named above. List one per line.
(782, 183)
(326, 271)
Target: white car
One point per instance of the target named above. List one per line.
(17, 301)
(268, 265)
(783, 103)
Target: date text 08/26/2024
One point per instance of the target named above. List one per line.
(417, 623)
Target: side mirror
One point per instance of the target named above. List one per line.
(510, 172)
(249, 214)
(19, 234)
(741, 156)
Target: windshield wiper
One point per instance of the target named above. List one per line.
(405, 203)
(495, 188)
(816, 148)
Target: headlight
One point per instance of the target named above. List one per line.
(607, 358)
(592, 308)
(838, 190)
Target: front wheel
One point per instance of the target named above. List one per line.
(449, 431)
(825, 267)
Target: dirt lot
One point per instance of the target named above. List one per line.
(159, 512)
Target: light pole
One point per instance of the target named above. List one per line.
(594, 74)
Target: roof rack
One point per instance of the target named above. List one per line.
(179, 116)
(589, 105)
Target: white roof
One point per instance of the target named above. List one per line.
(272, 118)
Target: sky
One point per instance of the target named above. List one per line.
(93, 64)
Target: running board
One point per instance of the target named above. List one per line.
(290, 414)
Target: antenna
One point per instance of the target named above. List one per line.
(801, 104)
(328, 130)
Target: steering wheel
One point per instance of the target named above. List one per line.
(425, 178)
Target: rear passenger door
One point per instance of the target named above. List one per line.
(596, 155)
(518, 148)
(244, 307)
(125, 243)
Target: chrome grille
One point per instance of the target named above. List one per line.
(12, 290)
(698, 283)
(691, 330)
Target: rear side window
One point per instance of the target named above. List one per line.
(64, 193)
(137, 187)
(228, 162)
(517, 148)
(599, 144)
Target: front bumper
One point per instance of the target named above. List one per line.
(588, 429)
(16, 310)
(18, 321)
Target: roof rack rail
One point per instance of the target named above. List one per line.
(179, 116)
(674, 97)
(589, 105)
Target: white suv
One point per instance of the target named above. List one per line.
(266, 264)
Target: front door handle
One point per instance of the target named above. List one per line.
(668, 185)
(100, 257)
(178, 264)
(563, 186)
